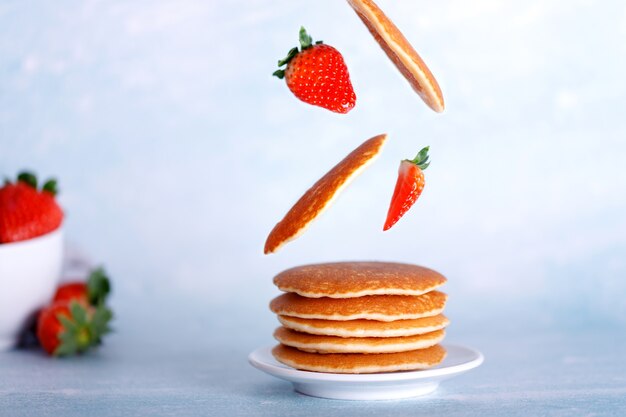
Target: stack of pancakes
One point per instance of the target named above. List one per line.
(360, 317)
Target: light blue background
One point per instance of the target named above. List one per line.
(177, 152)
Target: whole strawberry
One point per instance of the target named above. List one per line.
(93, 292)
(408, 187)
(317, 74)
(27, 212)
(69, 328)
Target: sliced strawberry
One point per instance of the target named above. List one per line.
(25, 211)
(318, 75)
(408, 188)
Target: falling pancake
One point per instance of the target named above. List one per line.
(370, 307)
(360, 363)
(319, 197)
(366, 328)
(334, 344)
(356, 279)
(400, 52)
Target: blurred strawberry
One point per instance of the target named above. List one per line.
(71, 328)
(27, 212)
(91, 293)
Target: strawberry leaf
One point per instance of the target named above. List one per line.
(51, 186)
(98, 287)
(82, 329)
(422, 158)
(305, 42)
(292, 52)
(67, 346)
(79, 314)
(66, 322)
(28, 178)
(100, 322)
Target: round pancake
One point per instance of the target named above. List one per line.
(359, 363)
(401, 53)
(334, 344)
(370, 307)
(366, 328)
(319, 197)
(356, 279)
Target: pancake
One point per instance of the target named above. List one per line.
(370, 307)
(401, 53)
(359, 363)
(366, 328)
(319, 197)
(334, 344)
(356, 279)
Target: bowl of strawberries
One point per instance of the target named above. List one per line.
(31, 252)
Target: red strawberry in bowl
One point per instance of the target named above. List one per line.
(31, 252)
(27, 212)
(317, 74)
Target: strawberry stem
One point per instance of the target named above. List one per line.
(305, 39)
(421, 159)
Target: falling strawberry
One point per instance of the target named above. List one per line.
(70, 328)
(409, 186)
(90, 293)
(27, 212)
(317, 74)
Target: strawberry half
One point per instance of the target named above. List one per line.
(318, 75)
(27, 212)
(408, 188)
(91, 293)
(70, 328)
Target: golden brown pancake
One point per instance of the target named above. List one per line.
(356, 279)
(316, 199)
(334, 344)
(359, 363)
(401, 53)
(370, 307)
(366, 328)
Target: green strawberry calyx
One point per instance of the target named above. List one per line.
(98, 287)
(422, 159)
(29, 178)
(82, 329)
(306, 41)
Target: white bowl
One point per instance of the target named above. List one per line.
(29, 274)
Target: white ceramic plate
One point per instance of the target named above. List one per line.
(381, 386)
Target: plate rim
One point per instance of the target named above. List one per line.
(288, 373)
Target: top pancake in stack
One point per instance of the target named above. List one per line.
(356, 317)
(356, 279)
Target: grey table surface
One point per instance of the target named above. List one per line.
(195, 364)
